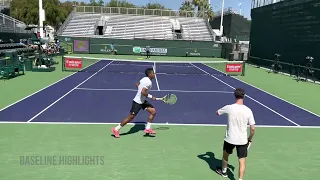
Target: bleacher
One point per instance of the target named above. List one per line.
(81, 25)
(134, 23)
(129, 27)
(9, 24)
(195, 29)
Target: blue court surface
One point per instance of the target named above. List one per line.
(104, 93)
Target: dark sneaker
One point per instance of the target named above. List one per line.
(219, 171)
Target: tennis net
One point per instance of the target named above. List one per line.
(90, 64)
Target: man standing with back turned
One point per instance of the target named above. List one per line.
(239, 116)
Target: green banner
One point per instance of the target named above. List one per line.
(138, 47)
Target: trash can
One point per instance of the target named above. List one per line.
(241, 56)
(28, 64)
(231, 56)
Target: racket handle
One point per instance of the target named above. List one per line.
(249, 144)
(158, 99)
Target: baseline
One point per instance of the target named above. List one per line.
(68, 92)
(159, 124)
(248, 96)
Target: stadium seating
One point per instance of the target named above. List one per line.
(146, 27)
(195, 29)
(9, 24)
(130, 26)
(81, 25)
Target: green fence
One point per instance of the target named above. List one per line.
(137, 47)
(14, 36)
(289, 28)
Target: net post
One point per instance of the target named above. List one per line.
(62, 63)
(243, 67)
(154, 67)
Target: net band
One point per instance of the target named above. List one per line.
(89, 64)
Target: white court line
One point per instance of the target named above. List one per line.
(269, 93)
(68, 92)
(43, 88)
(154, 69)
(161, 124)
(93, 89)
(248, 96)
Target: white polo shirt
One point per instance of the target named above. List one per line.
(144, 83)
(239, 116)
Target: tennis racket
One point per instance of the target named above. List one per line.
(168, 99)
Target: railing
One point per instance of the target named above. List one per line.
(226, 11)
(12, 19)
(5, 3)
(260, 3)
(212, 34)
(65, 23)
(133, 11)
(297, 70)
(16, 25)
(95, 26)
(104, 27)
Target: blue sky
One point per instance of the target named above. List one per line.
(216, 4)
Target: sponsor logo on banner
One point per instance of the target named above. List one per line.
(136, 50)
(153, 51)
(80, 46)
(234, 68)
(73, 63)
(195, 53)
(106, 50)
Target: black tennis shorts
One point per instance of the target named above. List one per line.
(135, 108)
(242, 150)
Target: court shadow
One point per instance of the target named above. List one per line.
(213, 162)
(136, 128)
(149, 135)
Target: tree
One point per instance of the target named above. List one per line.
(203, 8)
(187, 9)
(154, 6)
(120, 3)
(96, 3)
(27, 11)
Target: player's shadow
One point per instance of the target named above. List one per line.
(213, 163)
(134, 129)
(140, 126)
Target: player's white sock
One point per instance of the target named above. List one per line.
(224, 170)
(240, 179)
(148, 126)
(118, 127)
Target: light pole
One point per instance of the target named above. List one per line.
(221, 22)
(240, 5)
(41, 18)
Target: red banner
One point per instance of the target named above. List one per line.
(73, 63)
(233, 68)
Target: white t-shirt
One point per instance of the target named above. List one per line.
(144, 83)
(239, 116)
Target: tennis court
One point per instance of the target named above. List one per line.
(103, 93)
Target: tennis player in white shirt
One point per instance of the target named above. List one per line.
(140, 102)
(239, 116)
